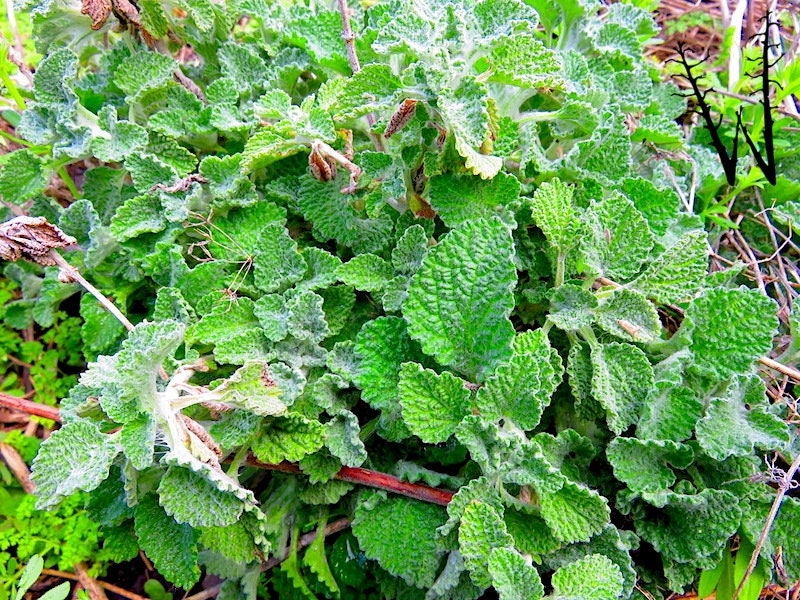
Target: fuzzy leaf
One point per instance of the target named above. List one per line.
(729, 330)
(673, 534)
(235, 237)
(460, 199)
(142, 71)
(366, 272)
(554, 213)
(571, 307)
(627, 238)
(433, 404)
(233, 328)
(621, 380)
(171, 546)
(513, 576)
(412, 524)
(642, 464)
(574, 513)
(520, 389)
(288, 438)
(277, 262)
(593, 577)
(342, 439)
(678, 272)
(22, 177)
(628, 315)
(191, 498)
(481, 530)
(670, 413)
(381, 346)
(739, 420)
(123, 138)
(459, 300)
(76, 457)
(251, 387)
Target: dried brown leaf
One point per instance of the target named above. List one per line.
(31, 238)
(97, 10)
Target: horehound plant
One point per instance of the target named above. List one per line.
(437, 250)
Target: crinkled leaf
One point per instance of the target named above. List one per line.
(513, 576)
(480, 489)
(412, 524)
(143, 70)
(277, 261)
(593, 577)
(571, 307)
(171, 546)
(674, 531)
(235, 237)
(76, 457)
(621, 381)
(343, 440)
(433, 404)
(628, 315)
(481, 530)
(670, 413)
(574, 512)
(678, 272)
(520, 389)
(458, 199)
(288, 438)
(381, 346)
(642, 464)
(233, 328)
(627, 237)
(251, 387)
(137, 440)
(123, 137)
(554, 213)
(739, 420)
(459, 300)
(23, 176)
(729, 329)
(189, 497)
(366, 272)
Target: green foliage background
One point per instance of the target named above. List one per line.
(471, 302)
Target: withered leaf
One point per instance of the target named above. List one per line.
(31, 238)
(97, 10)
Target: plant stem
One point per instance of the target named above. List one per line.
(32, 408)
(68, 181)
(107, 586)
(783, 487)
(375, 479)
(349, 42)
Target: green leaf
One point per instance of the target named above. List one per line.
(334, 217)
(137, 439)
(373, 89)
(366, 272)
(522, 60)
(670, 413)
(642, 464)
(413, 555)
(123, 137)
(233, 328)
(460, 299)
(677, 274)
(571, 307)
(621, 381)
(317, 561)
(342, 438)
(266, 147)
(739, 420)
(433, 404)
(553, 212)
(288, 438)
(574, 512)
(627, 238)
(241, 64)
(235, 237)
(23, 176)
(278, 264)
(226, 181)
(76, 457)
(252, 388)
(593, 577)
(381, 346)
(171, 546)
(513, 576)
(458, 199)
(520, 389)
(306, 319)
(466, 115)
(189, 497)
(481, 531)
(628, 315)
(148, 171)
(729, 329)
(481, 490)
(143, 71)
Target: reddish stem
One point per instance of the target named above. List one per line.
(375, 479)
(27, 406)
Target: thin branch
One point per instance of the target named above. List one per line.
(110, 587)
(369, 478)
(30, 407)
(783, 487)
(350, 46)
(17, 466)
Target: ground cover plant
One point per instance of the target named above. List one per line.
(434, 273)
